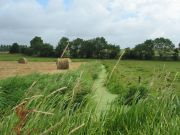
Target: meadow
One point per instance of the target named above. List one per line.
(150, 74)
(16, 57)
(146, 100)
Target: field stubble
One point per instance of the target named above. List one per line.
(13, 68)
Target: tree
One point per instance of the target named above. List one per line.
(14, 48)
(127, 54)
(99, 43)
(163, 46)
(149, 49)
(28, 51)
(144, 51)
(36, 45)
(104, 54)
(22, 48)
(47, 50)
(87, 49)
(75, 47)
(5, 48)
(176, 54)
(61, 46)
(114, 51)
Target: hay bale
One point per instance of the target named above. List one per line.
(63, 63)
(23, 61)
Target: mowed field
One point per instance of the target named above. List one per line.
(15, 57)
(13, 68)
(9, 65)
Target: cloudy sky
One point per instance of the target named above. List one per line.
(122, 22)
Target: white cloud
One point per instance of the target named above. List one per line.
(122, 22)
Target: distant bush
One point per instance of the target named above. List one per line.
(14, 48)
(157, 49)
(28, 51)
(5, 48)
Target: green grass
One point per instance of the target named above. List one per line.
(16, 57)
(68, 105)
(152, 73)
(148, 108)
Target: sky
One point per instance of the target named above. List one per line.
(121, 22)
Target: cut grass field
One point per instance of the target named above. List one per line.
(13, 68)
(67, 103)
(16, 57)
(9, 65)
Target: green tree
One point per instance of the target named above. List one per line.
(22, 48)
(28, 51)
(93, 48)
(164, 47)
(127, 54)
(36, 44)
(100, 44)
(176, 54)
(61, 46)
(87, 49)
(75, 47)
(144, 51)
(14, 48)
(114, 51)
(149, 49)
(5, 48)
(104, 54)
(47, 50)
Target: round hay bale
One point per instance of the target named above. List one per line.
(62, 63)
(23, 61)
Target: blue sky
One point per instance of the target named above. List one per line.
(43, 2)
(67, 3)
(122, 22)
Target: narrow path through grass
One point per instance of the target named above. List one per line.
(102, 97)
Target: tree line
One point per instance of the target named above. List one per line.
(5, 48)
(159, 48)
(78, 48)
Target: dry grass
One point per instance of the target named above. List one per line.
(23, 61)
(10, 68)
(63, 63)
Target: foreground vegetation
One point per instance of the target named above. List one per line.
(62, 103)
(148, 97)
(63, 95)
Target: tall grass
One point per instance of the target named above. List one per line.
(67, 105)
(60, 105)
(151, 108)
